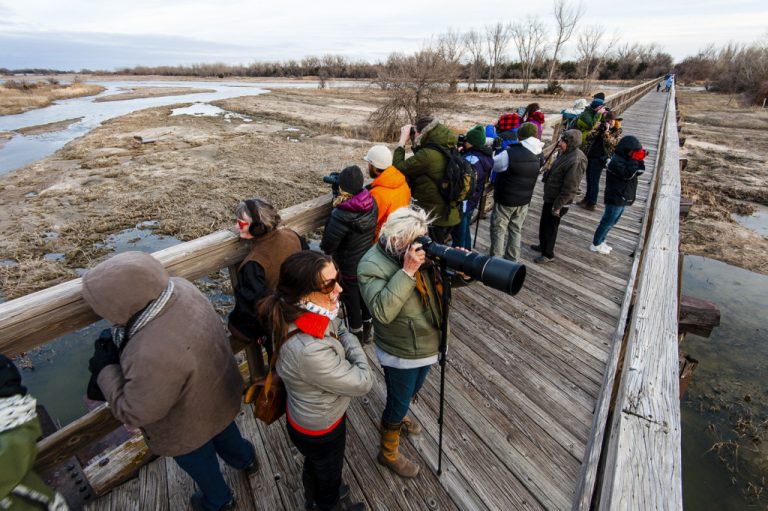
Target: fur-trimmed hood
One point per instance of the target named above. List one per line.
(436, 133)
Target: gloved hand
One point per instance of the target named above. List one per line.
(104, 353)
(10, 379)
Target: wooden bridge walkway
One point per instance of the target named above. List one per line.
(524, 383)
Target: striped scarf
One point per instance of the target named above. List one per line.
(154, 308)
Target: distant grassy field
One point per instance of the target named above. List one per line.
(17, 96)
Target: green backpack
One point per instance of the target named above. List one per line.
(586, 122)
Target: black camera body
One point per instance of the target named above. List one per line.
(462, 139)
(333, 179)
(495, 272)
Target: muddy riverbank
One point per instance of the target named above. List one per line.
(16, 98)
(726, 177)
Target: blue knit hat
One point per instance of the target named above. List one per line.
(596, 103)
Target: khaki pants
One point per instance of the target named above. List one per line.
(506, 225)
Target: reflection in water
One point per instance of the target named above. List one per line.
(729, 384)
(757, 221)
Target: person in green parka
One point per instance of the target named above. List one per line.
(424, 172)
(20, 488)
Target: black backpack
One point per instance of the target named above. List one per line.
(459, 178)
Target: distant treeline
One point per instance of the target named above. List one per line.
(734, 69)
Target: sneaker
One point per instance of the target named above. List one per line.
(600, 249)
(537, 248)
(543, 259)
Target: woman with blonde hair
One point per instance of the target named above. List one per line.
(402, 290)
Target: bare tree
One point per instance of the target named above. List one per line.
(497, 40)
(592, 51)
(473, 42)
(529, 38)
(450, 47)
(567, 16)
(414, 86)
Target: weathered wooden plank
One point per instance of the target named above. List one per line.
(118, 464)
(127, 496)
(180, 486)
(62, 444)
(153, 482)
(643, 459)
(262, 483)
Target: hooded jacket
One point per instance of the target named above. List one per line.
(481, 159)
(177, 379)
(322, 368)
(623, 171)
(425, 170)
(391, 192)
(350, 231)
(566, 172)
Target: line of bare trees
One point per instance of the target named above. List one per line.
(733, 69)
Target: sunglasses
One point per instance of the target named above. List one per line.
(242, 223)
(329, 285)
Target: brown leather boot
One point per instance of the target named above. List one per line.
(389, 454)
(410, 427)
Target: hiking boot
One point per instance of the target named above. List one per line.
(345, 505)
(197, 502)
(543, 259)
(309, 502)
(410, 427)
(389, 454)
(367, 331)
(536, 248)
(600, 249)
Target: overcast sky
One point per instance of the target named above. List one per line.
(109, 34)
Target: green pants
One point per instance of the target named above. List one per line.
(506, 226)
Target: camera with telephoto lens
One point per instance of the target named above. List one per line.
(333, 180)
(495, 272)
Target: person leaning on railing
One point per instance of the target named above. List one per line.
(169, 370)
(322, 366)
(402, 290)
(259, 223)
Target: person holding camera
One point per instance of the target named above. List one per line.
(258, 222)
(626, 165)
(402, 289)
(600, 145)
(425, 171)
(517, 170)
(480, 156)
(322, 366)
(388, 188)
(349, 233)
(560, 187)
(20, 487)
(169, 370)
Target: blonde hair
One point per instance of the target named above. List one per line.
(403, 226)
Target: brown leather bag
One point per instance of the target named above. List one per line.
(268, 393)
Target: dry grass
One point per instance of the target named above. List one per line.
(17, 100)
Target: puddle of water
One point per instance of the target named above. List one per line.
(54, 256)
(206, 110)
(757, 221)
(732, 365)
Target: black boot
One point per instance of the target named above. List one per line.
(367, 331)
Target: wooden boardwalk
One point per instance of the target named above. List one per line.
(524, 376)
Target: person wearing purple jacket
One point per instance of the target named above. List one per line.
(349, 233)
(480, 156)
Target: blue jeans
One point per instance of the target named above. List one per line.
(402, 385)
(594, 170)
(461, 234)
(611, 215)
(203, 466)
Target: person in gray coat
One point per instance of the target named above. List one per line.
(322, 366)
(169, 370)
(561, 183)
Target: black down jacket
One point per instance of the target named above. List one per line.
(625, 167)
(350, 232)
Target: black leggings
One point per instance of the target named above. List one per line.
(323, 463)
(356, 310)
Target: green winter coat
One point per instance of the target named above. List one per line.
(18, 449)
(402, 325)
(424, 171)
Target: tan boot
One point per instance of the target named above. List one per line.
(410, 427)
(389, 454)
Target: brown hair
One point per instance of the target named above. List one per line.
(529, 110)
(300, 275)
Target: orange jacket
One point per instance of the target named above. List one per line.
(391, 192)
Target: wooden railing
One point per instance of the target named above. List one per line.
(33, 320)
(638, 462)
